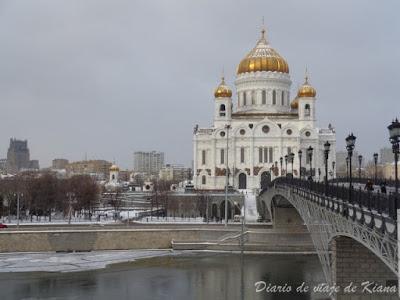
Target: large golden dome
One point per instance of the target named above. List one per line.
(263, 58)
(222, 90)
(306, 90)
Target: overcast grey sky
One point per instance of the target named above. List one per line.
(107, 78)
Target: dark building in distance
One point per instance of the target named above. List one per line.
(18, 157)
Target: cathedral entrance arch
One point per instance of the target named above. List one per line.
(242, 181)
(265, 180)
(222, 210)
(214, 211)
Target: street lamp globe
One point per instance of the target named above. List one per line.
(350, 141)
(291, 157)
(327, 146)
(394, 131)
(310, 151)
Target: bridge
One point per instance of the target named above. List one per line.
(354, 231)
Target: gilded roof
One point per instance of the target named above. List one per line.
(263, 58)
(306, 90)
(222, 90)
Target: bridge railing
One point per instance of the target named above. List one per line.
(374, 202)
(364, 180)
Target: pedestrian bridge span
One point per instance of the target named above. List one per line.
(354, 232)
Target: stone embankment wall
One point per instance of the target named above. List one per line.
(100, 239)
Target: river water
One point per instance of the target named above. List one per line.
(188, 276)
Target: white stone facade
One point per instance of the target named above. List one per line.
(264, 126)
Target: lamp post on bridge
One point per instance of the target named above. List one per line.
(360, 158)
(227, 127)
(281, 161)
(300, 153)
(327, 146)
(394, 136)
(286, 160)
(376, 166)
(291, 157)
(310, 154)
(350, 144)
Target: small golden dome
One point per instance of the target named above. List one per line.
(263, 58)
(306, 90)
(222, 90)
(114, 168)
(295, 103)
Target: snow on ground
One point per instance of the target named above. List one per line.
(72, 262)
(250, 206)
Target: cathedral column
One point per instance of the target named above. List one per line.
(233, 159)
(212, 160)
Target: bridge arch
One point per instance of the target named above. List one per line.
(326, 227)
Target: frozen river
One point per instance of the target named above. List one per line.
(159, 276)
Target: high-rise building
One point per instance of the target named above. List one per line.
(59, 163)
(18, 157)
(149, 163)
(3, 164)
(386, 156)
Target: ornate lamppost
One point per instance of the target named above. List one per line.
(281, 162)
(309, 154)
(376, 166)
(291, 157)
(327, 147)
(394, 136)
(300, 153)
(286, 160)
(227, 127)
(360, 157)
(350, 144)
(347, 168)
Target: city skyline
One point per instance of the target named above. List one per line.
(87, 69)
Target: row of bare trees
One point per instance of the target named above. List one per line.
(46, 194)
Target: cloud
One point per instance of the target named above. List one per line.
(107, 78)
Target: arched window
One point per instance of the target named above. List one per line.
(283, 97)
(242, 155)
(253, 96)
(273, 97)
(222, 158)
(222, 110)
(244, 99)
(307, 110)
(264, 97)
(203, 179)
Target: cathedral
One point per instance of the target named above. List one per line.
(255, 136)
